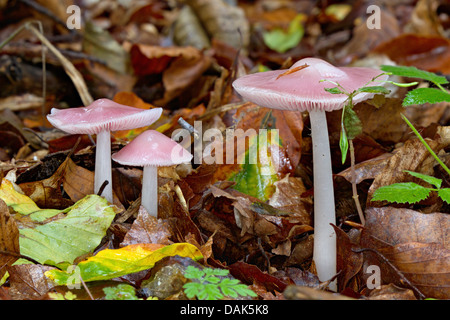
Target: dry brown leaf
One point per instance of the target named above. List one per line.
(368, 169)
(424, 19)
(288, 197)
(416, 244)
(155, 59)
(412, 156)
(222, 21)
(349, 263)
(383, 124)
(430, 53)
(78, 182)
(9, 238)
(391, 292)
(27, 281)
(148, 229)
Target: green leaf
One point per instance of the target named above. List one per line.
(192, 289)
(431, 180)
(334, 90)
(374, 89)
(281, 40)
(407, 192)
(445, 194)
(352, 124)
(77, 234)
(192, 272)
(425, 95)
(413, 72)
(343, 144)
(257, 176)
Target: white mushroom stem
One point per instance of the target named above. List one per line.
(324, 254)
(149, 197)
(103, 165)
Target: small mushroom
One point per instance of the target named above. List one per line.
(100, 118)
(151, 149)
(300, 89)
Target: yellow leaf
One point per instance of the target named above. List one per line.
(112, 263)
(16, 200)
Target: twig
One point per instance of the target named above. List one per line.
(44, 65)
(398, 272)
(354, 189)
(70, 69)
(86, 288)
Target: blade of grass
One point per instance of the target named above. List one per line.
(425, 144)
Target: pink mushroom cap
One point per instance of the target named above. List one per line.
(152, 148)
(302, 90)
(102, 114)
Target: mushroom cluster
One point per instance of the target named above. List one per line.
(100, 118)
(301, 88)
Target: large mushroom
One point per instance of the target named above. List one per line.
(100, 118)
(300, 89)
(151, 149)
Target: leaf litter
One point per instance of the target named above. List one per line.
(183, 56)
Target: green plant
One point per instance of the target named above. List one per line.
(409, 192)
(120, 292)
(209, 284)
(421, 95)
(282, 40)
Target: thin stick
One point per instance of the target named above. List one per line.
(70, 69)
(354, 189)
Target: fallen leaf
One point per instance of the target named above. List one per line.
(28, 282)
(289, 197)
(412, 156)
(251, 274)
(147, 229)
(77, 233)
(349, 263)
(391, 292)
(9, 238)
(415, 243)
(113, 263)
(430, 53)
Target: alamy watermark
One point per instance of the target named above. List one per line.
(374, 280)
(234, 146)
(74, 19)
(374, 20)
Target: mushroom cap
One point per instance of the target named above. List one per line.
(102, 114)
(301, 90)
(152, 148)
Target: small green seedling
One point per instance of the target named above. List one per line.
(209, 284)
(351, 125)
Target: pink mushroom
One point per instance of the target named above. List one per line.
(300, 88)
(100, 118)
(151, 149)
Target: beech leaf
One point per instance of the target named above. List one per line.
(112, 263)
